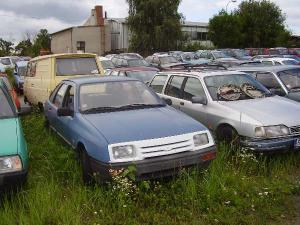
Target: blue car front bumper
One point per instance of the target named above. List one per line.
(273, 145)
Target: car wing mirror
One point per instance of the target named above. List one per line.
(65, 112)
(168, 101)
(199, 100)
(24, 110)
(277, 91)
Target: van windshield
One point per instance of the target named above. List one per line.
(76, 66)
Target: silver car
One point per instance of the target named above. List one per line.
(233, 105)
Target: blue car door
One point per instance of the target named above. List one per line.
(51, 106)
(67, 122)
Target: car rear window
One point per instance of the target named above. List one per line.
(6, 110)
(76, 66)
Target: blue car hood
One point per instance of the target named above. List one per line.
(142, 124)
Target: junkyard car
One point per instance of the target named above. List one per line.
(45, 72)
(280, 80)
(13, 148)
(19, 73)
(128, 60)
(164, 61)
(144, 74)
(192, 58)
(235, 106)
(106, 64)
(114, 122)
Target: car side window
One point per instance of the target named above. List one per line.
(69, 98)
(268, 80)
(114, 73)
(174, 87)
(158, 83)
(192, 88)
(53, 93)
(59, 97)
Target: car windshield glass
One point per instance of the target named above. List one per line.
(142, 75)
(220, 55)
(5, 61)
(190, 56)
(291, 79)
(110, 96)
(137, 62)
(107, 64)
(289, 62)
(76, 66)
(235, 87)
(168, 60)
(240, 53)
(6, 110)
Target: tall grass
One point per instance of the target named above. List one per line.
(238, 188)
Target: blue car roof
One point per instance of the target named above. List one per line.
(98, 79)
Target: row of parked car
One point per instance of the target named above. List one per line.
(163, 121)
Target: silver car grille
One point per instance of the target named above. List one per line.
(169, 147)
(295, 130)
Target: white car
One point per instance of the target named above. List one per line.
(106, 63)
(278, 61)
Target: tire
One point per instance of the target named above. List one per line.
(85, 166)
(228, 135)
(41, 107)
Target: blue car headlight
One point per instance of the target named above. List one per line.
(123, 152)
(10, 164)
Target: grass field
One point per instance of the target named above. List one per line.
(238, 188)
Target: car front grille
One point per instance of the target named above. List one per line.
(166, 147)
(295, 130)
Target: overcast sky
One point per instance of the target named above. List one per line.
(21, 17)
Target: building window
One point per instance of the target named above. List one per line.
(202, 36)
(81, 46)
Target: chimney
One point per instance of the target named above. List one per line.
(99, 15)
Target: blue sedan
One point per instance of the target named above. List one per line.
(114, 122)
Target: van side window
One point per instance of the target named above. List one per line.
(28, 70)
(33, 69)
(192, 88)
(53, 93)
(174, 87)
(158, 83)
(59, 97)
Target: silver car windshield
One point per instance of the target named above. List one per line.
(107, 64)
(168, 60)
(6, 110)
(291, 79)
(234, 87)
(109, 96)
(220, 54)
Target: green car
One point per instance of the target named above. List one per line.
(13, 148)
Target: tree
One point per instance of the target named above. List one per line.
(42, 41)
(254, 24)
(225, 30)
(155, 25)
(6, 47)
(24, 48)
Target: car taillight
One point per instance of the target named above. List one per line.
(209, 156)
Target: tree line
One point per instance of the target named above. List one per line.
(27, 47)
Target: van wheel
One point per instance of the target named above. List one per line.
(85, 166)
(228, 135)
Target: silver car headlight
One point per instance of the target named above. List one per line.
(124, 152)
(10, 164)
(272, 131)
(200, 139)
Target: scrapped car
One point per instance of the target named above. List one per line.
(144, 74)
(20, 70)
(192, 58)
(276, 61)
(164, 61)
(128, 61)
(115, 122)
(45, 72)
(9, 61)
(106, 64)
(237, 53)
(235, 107)
(13, 148)
(280, 80)
(218, 57)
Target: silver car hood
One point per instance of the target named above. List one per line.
(268, 111)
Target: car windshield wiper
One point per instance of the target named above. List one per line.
(99, 109)
(140, 105)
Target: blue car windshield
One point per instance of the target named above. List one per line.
(6, 110)
(115, 95)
